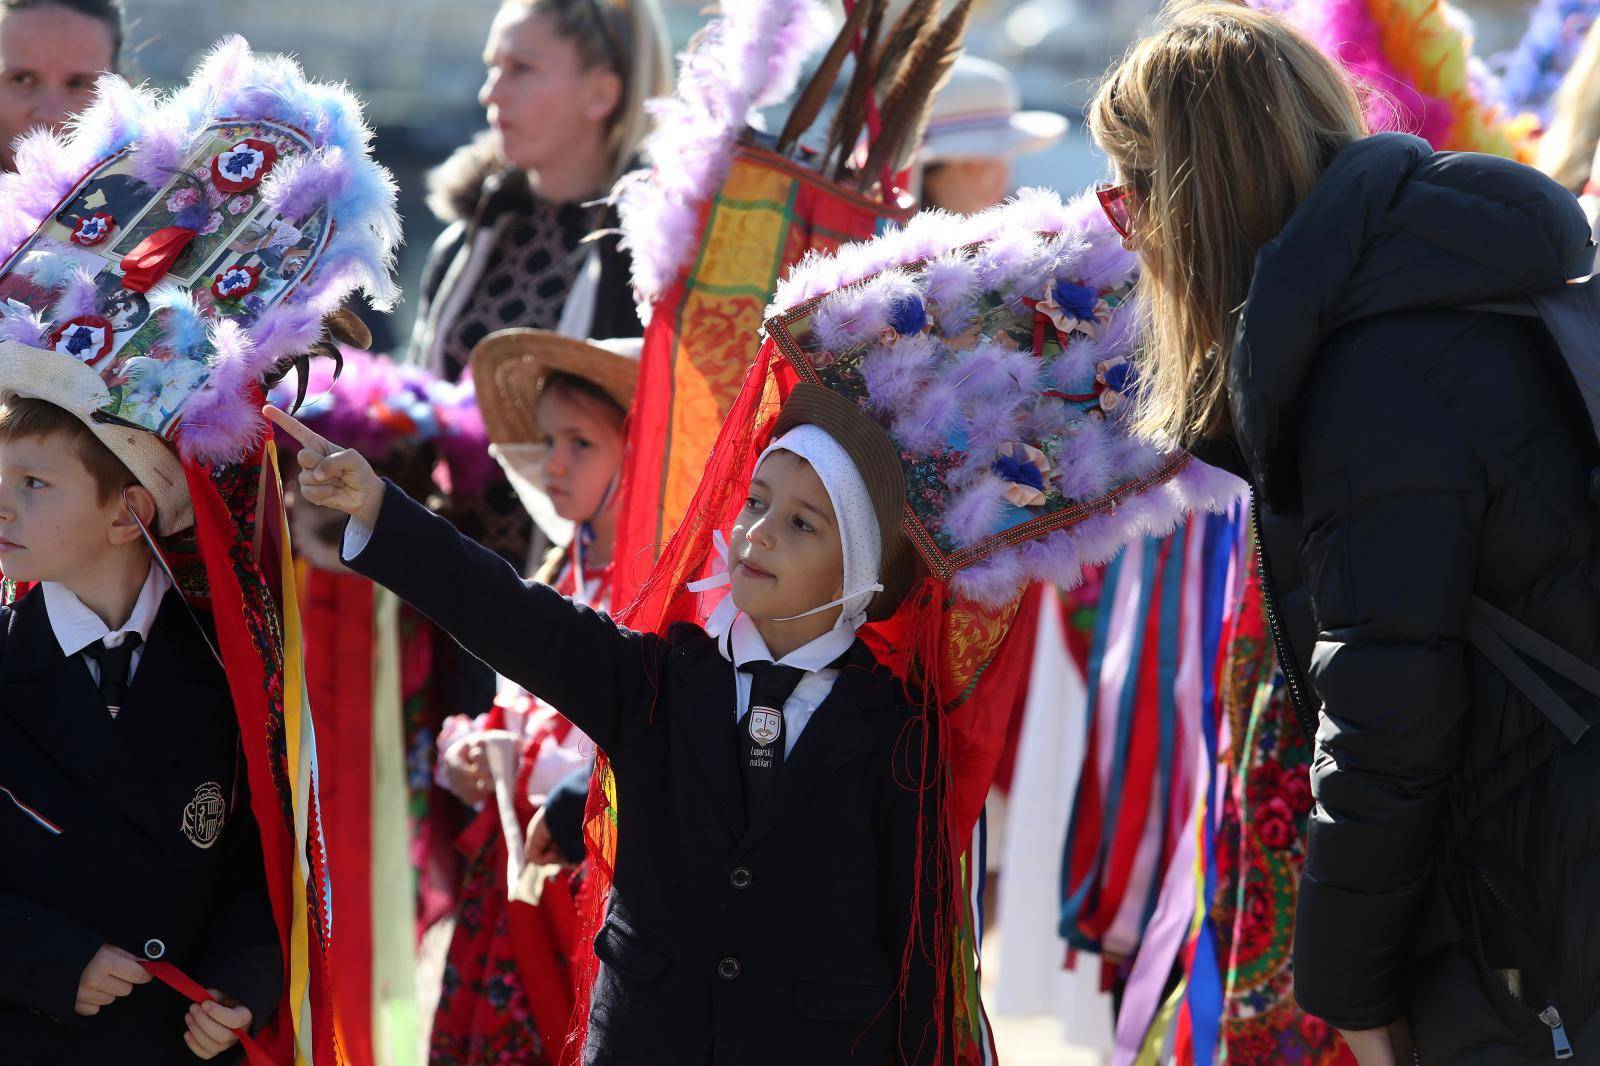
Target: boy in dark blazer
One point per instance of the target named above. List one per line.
(125, 827)
(766, 906)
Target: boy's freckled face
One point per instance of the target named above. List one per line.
(785, 550)
(52, 520)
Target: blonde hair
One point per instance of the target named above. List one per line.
(1567, 149)
(629, 38)
(1221, 121)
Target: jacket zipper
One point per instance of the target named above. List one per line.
(1550, 1016)
(1287, 663)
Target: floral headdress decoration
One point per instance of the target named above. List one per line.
(172, 253)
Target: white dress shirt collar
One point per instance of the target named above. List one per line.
(76, 627)
(743, 644)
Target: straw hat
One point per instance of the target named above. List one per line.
(76, 388)
(509, 369)
(977, 115)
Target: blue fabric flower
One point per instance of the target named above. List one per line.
(907, 315)
(1079, 301)
(80, 341)
(1119, 376)
(1019, 472)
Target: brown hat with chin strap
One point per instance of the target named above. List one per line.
(874, 455)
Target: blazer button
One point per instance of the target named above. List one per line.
(154, 949)
(740, 878)
(728, 968)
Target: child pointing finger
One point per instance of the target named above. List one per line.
(331, 476)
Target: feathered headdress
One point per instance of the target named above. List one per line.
(162, 263)
(1412, 62)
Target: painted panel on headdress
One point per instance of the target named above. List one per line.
(243, 258)
(767, 215)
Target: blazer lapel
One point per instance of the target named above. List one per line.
(174, 693)
(703, 709)
(834, 736)
(53, 698)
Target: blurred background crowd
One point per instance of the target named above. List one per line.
(418, 65)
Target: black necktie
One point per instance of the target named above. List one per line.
(114, 666)
(761, 733)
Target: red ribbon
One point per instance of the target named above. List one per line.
(186, 987)
(1040, 320)
(150, 260)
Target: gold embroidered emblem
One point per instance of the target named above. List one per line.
(204, 816)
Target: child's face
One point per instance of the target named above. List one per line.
(787, 555)
(53, 524)
(584, 454)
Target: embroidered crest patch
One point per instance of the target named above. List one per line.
(765, 725)
(204, 816)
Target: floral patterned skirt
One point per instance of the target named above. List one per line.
(506, 998)
(1261, 849)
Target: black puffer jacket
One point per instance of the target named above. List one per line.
(1407, 455)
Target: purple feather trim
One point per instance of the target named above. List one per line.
(19, 325)
(935, 233)
(748, 57)
(972, 514)
(897, 373)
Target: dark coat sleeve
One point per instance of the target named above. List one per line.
(43, 954)
(241, 953)
(916, 898)
(599, 675)
(563, 812)
(1394, 497)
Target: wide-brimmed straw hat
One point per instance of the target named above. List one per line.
(509, 369)
(977, 114)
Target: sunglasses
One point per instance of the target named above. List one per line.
(1114, 202)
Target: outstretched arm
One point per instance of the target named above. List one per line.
(577, 660)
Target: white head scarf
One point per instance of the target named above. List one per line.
(860, 541)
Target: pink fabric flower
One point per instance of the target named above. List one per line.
(183, 198)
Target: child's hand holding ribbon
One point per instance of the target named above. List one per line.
(214, 1027)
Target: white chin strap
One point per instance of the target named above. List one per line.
(842, 600)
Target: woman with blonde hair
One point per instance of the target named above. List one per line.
(1308, 293)
(564, 97)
